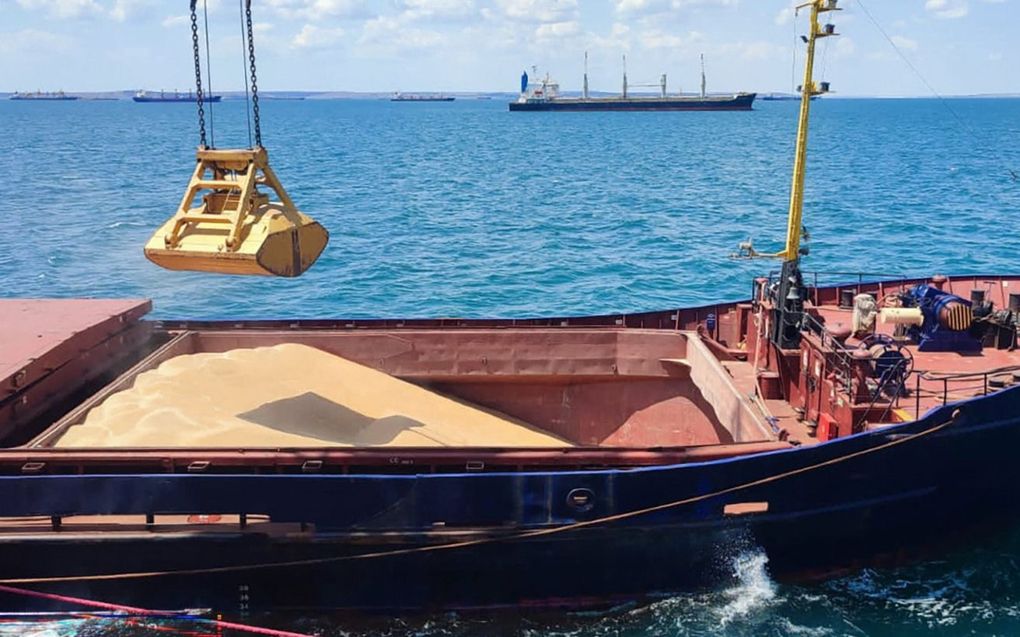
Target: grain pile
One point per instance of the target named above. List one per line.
(289, 396)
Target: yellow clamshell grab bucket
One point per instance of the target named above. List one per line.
(235, 228)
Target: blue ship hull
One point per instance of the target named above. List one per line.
(518, 538)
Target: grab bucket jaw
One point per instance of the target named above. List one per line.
(236, 229)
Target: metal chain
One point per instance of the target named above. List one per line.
(254, 84)
(198, 75)
(208, 71)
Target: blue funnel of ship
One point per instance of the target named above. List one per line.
(524, 82)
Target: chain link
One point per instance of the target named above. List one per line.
(198, 75)
(254, 84)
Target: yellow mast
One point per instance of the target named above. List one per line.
(808, 91)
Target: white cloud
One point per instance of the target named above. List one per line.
(784, 16)
(63, 8)
(658, 39)
(319, 9)
(539, 10)
(618, 38)
(845, 47)
(387, 35)
(172, 21)
(635, 6)
(313, 37)
(124, 9)
(34, 41)
(904, 43)
(439, 9)
(947, 9)
(645, 7)
(558, 30)
(756, 50)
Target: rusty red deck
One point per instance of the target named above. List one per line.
(57, 345)
(929, 391)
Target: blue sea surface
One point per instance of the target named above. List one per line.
(464, 209)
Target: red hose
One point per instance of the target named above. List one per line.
(258, 630)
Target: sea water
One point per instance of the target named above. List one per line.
(465, 209)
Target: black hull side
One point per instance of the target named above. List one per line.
(829, 506)
(742, 102)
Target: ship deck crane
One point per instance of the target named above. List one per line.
(225, 223)
(788, 294)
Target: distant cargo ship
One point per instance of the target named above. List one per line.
(545, 96)
(59, 96)
(785, 97)
(145, 97)
(401, 97)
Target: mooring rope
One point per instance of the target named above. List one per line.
(145, 612)
(486, 540)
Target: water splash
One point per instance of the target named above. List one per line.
(755, 591)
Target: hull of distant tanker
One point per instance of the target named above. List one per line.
(742, 102)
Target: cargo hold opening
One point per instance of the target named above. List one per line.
(466, 388)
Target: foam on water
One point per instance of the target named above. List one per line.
(755, 590)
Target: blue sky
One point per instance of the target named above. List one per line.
(961, 46)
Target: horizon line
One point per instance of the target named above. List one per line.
(482, 92)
